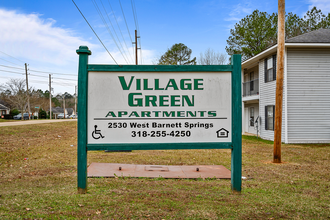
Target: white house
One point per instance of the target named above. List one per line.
(4, 110)
(306, 97)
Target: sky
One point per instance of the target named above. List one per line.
(45, 34)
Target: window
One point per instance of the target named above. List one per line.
(270, 68)
(251, 81)
(252, 117)
(269, 117)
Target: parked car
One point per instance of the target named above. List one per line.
(19, 116)
(61, 116)
(72, 116)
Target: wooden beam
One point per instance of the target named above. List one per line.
(279, 81)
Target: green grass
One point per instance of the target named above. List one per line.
(38, 180)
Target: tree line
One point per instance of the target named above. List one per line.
(250, 36)
(13, 94)
(258, 31)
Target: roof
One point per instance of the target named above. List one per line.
(3, 107)
(60, 110)
(57, 110)
(317, 36)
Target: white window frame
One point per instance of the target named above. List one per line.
(267, 117)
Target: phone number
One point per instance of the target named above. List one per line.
(161, 134)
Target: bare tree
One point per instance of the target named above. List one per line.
(210, 57)
(15, 94)
(37, 98)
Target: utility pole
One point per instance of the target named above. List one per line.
(75, 100)
(27, 91)
(50, 97)
(279, 81)
(136, 48)
(64, 105)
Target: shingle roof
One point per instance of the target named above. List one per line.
(57, 110)
(317, 36)
(60, 110)
(3, 107)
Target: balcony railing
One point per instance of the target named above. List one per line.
(251, 88)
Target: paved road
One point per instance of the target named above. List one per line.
(30, 122)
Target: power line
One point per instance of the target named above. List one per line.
(12, 57)
(45, 82)
(95, 33)
(134, 16)
(12, 67)
(107, 26)
(37, 75)
(64, 84)
(58, 83)
(121, 46)
(65, 79)
(120, 29)
(137, 26)
(53, 77)
(66, 74)
(7, 71)
(31, 70)
(7, 77)
(10, 62)
(126, 24)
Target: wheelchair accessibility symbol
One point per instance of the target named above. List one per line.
(96, 134)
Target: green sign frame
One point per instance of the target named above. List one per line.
(236, 97)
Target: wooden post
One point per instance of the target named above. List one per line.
(279, 81)
(83, 52)
(27, 92)
(50, 97)
(64, 106)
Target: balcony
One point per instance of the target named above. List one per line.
(251, 88)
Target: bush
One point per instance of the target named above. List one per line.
(42, 113)
(14, 112)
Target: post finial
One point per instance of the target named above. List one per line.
(83, 50)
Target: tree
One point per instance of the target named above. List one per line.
(210, 57)
(15, 94)
(315, 19)
(294, 25)
(56, 102)
(178, 54)
(67, 95)
(257, 31)
(252, 34)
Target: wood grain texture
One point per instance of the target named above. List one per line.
(279, 82)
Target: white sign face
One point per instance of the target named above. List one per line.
(146, 107)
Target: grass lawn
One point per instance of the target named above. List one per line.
(38, 179)
(7, 120)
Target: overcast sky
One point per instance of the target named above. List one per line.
(45, 34)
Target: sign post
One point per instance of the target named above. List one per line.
(153, 107)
